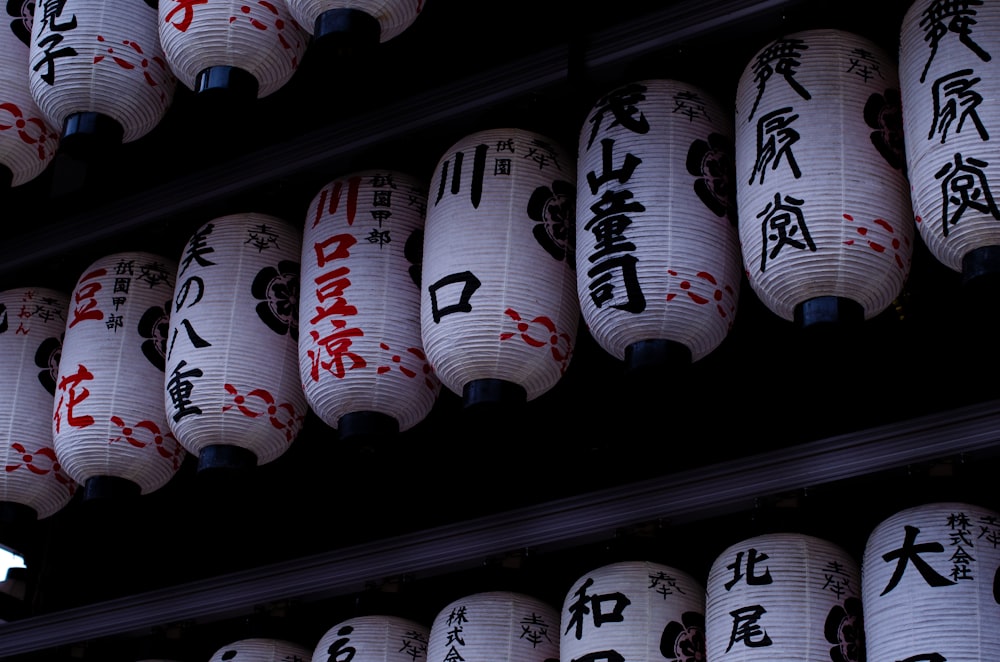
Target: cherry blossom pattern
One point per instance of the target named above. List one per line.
(260, 402)
(541, 332)
(144, 433)
(155, 76)
(881, 237)
(724, 296)
(403, 362)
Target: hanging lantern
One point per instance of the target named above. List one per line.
(96, 70)
(111, 434)
(261, 649)
(377, 638)
(784, 597)
(476, 627)
(354, 27)
(27, 140)
(658, 262)
(244, 48)
(930, 584)
(361, 356)
(826, 225)
(947, 77)
(499, 310)
(32, 321)
(232, 392)
(634, 610)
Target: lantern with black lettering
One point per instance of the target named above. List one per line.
(235, 49)
(374, 638)
(361, 356)
(930, 577)
(499, 309)
(233, 395)
(658, 262)
(784, 597)
(649, 611)
(261, 649)
(97, 71)
(947, 78)
(475, 627)
(110, 429)
(33, 484)
(29, 140)
(353, 27)
(825, 224)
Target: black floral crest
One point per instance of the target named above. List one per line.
(277, 291)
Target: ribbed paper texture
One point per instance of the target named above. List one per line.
(261, 649)
(377, 638)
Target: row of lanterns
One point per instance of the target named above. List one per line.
(925, 591)
(477, 281)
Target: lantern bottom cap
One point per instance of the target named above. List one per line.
(98, 488)
(225, 88)
(981, 268)
(340, 34)
(493, 393)
(828, 311)
(225, 457)
(366, 425)
(89, 135)
(648, 357)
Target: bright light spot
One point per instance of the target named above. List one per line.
(8, 560)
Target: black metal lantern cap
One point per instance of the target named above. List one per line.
(645, 357)
(363, 426)
(224, 88)
(981, 268)
(225, 458)
(345, 33)
(100, 488)
(493, 393)
(89, 136)
(827, 312)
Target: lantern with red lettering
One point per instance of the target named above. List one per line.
(929, 584)
(354, 26)
(374, 638)
(33, 484)
(784, 596)
(522, 626)
(659, 613)
(245, 48)
(233, 394)
(499, 309)
(825, 225)
(29, 141)
(660, 180)
(97, 71)
(361, 356)
(110, 429)
(261, 649)
(947, 77)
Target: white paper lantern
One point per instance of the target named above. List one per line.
(232, 390)
(495, 624)
(261, 649)
(948, 77)
(28, 141)
(784, 597)
(930, 578)
(250, 48)
(825, 222)
(499, 309)
(354, 25)
(376, 638)
(361, 356)
(110, 429)
(633, 610)
(96, 69)
(658, 262)
(32, 321)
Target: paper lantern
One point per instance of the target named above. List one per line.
(245, 48)
(634, 610)
(33, 484)
(784, 597)
(97, 71)
(27, 140)
(376, 638)
(930, 578)
(261, 649)
(948, 75)
(232, 390)
(658, 263)
(499, 309)
(825, 225)
(361, 356)
(484, 626)
(110, 429)
(351, 27)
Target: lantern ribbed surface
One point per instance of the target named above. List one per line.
(100, 57)
(376, 638)
(784, 597)
(648, 611)
(261, 649)
(232, 375)
(823, 200)
(948, 79)
(28, 140)
(498, 293)
(361, 348)
(109, 418)
(658, 253)
(32, 322)
(492, 625)
(393, 16)
(929, 584)
(259, 37)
